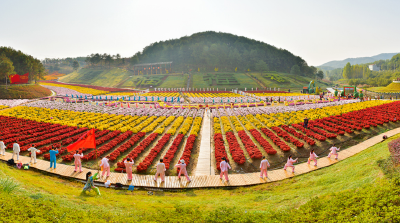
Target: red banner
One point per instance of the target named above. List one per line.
(88, 140)
(19, 79)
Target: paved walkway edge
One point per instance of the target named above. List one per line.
(205, 181)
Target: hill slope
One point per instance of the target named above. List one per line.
(359, 60)
(356, 185)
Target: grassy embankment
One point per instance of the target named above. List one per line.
(29, 91)
(354, 189)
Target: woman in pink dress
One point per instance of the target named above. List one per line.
(182, 170)
(313, 157)
(289, 163)
(128, 164)
(77, 161)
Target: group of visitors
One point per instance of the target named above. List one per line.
(160, 169)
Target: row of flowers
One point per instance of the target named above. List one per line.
(82, 90)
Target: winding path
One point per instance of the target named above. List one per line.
(204, 181)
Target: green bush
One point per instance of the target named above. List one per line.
(8, 185)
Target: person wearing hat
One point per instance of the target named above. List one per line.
(33, 151)
(160, 171)
(2, 148)
(128, 164)
(16, 150)
(182, 170)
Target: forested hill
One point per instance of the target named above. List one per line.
(359, 60)
(210, 50)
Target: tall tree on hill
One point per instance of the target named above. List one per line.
(366, 72)
(75, 65)
(109, 60)
(261, 66)
(320, 74)
(347, 71)
(295, 70)
(6, 67)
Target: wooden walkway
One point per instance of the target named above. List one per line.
(203, 167)
(204, 181)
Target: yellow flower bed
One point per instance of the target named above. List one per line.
(211, 95)
(226, 124)
(278, 94)
(123, 94)
(217, 125)
(154, 124)
(162, 94)
(3, 107)
(236, 123)
(83, 90)
(175, 125)
(196, 126)
(166, 123)
(186, 126)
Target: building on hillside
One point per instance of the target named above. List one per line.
(374, 67)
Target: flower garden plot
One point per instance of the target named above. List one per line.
(83, 90)
(88, 86)
(220, 79)
(147, 81)
(275, 77)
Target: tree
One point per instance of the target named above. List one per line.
(108, 59)
(75, 65)
(320, 74)
(347, 71)
(261, 66)
(295, 70)
(366, 72)
(6, 66)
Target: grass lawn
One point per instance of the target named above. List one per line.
(29, 91)
(293, 82)
(175, 81)
(98, 77)
(243, 80)
(63, 198)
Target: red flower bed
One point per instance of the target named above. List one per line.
(249, 145)
(172, 150)
(153, 153)
(320, 124)
(309, 132)
(292, 131)
(114, 155)
(263, 142)
(277, 141)
(219, 149)
(322, 132)
(188, 149)
(234, 148)
(94, 154)
(287, 137)
(139, 149)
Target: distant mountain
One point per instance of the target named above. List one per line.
(359, 60)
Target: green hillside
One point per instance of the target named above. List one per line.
(358, 189)
(230, 80)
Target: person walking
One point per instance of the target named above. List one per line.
(53, 158)
(2, 148)
(106, 166)
(33, 151)
(182, 170)
(263, 167)
(224, 166)
(77, 161)
(333, 150)
(160, 171)
(128, 164)
(313, 157)
(305, 122)
(89, 183)
(16, 150)
(290, 162)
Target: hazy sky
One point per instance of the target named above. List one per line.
(318, 31)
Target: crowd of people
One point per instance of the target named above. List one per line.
(160, 169)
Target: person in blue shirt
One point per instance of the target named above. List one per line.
(53, 157)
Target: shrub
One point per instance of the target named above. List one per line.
(8, 185)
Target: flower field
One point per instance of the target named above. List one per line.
(81, 90)
(242, 134)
